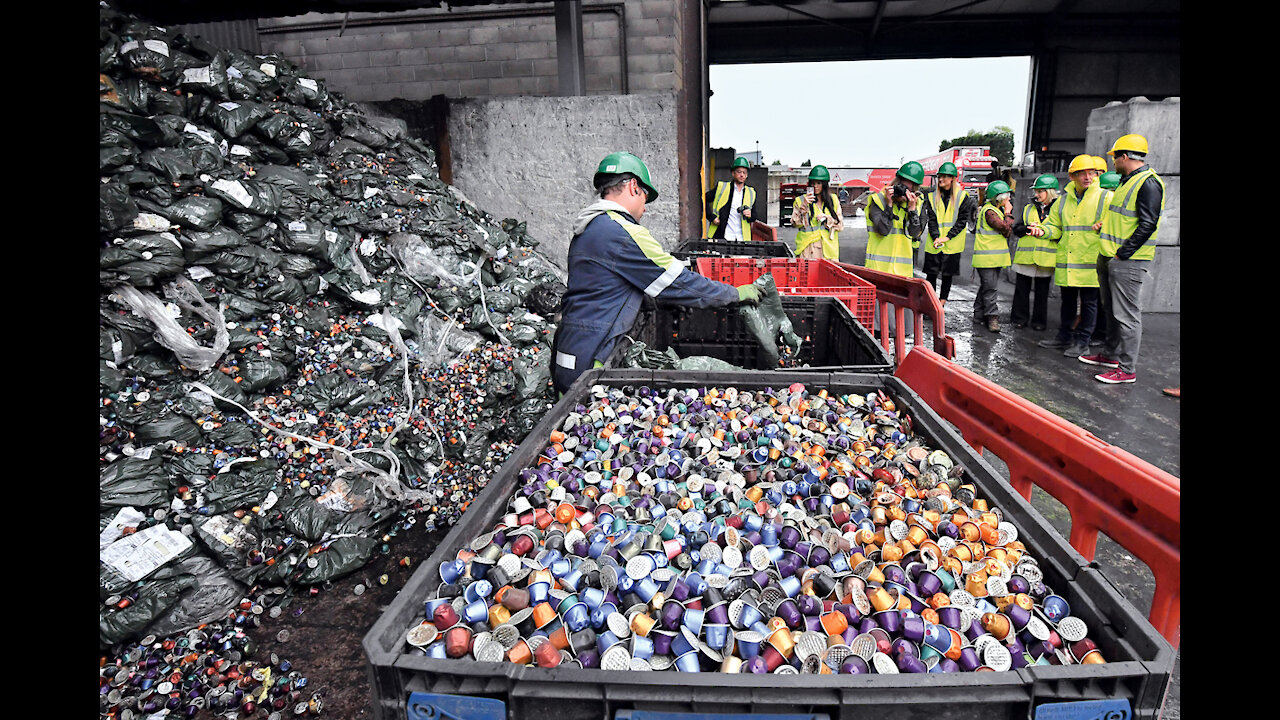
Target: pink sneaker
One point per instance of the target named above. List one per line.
(1099, 359)
(1116, 376)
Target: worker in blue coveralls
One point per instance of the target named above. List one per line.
(613, 263)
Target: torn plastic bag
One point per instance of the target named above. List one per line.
(168, 427)
(334, 391)
(191, 469)
(197, 244)
(151, 58)
(212, 597)
(304, 91)
(304, 517)
(545, 298)
(111, 157)
(358, 128)
(533, 375)
(172, 335)
(142, 130)
(237, 435)
(152, 367)
(441, 340)
(640, 355)
(143, 260)
(261, 373)
(109, 378)
(768, 322)
(707, 364)
(226, 538)
(287, 290)
(237, 307)
(135, 481)
(245, 484)
(196, 211)
(247, 196)
(116, 625)
(303, 236)
(343, 556)
(292, 264)
(234, 118)
(524, 417)
(116, 209)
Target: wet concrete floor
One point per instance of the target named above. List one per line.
(1137, 417)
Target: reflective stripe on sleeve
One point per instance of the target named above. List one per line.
(565, 360)
(666, 278)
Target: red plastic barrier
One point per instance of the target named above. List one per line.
(1105, 488)
(907, 294)
(798, 277)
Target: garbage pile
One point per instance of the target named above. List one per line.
(308, 343)
(786, 531)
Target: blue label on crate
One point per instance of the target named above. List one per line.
(1085, 710)
(432, 706)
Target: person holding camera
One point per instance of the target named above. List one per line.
(949, 210)
(1034, 259)
(991, 251)
(894, 222)
(729, 207)
(613, 264)
(817, 218)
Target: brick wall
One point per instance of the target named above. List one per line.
(478, 53)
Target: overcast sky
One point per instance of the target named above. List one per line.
(753, 103)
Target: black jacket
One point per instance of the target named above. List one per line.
(1150, 195)
(964, 215)
(718, 229)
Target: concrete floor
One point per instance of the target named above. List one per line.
(1138, 418)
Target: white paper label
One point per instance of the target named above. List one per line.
(368, 246)
(370, 192)
(197, 75)
(131, 45)
(268, 69)
(240, 151)
(234, 73)
(368, 297)
(202, 134)
(235, 190)
(222, 147)
(324, 284)
(271, 500)
(144, 453)
(309, 84)
(304, 137)
(150, 223)
(415, 176)
(227, 531)
(330, 236)
(156, 46)
(199, 272)
(139, 554)
(229, 106)
(297, 226)
(127, 517)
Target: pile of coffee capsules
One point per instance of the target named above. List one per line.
(782, 531)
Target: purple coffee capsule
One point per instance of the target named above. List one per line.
(969, 660)
(890, 620)
(854, 665)
(911, 664)
(913, 628)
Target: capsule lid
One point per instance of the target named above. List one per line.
(422, 635)
(731, 556)
(997, 657)
(661, 662)
(506, 635)
(640, 664)
(491, 651)
(616, 658)
(962, 598)
(884, 664)
(710, 551)
(1072, 628)
(864, 646)
(1037, 628)
(810, 644)
(786, 670)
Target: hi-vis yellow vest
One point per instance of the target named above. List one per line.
(724, 193)
(1121, 218)
(990, 248)
(889, 253)
(815, 230)
(1034, 250)
(947, 220)
(1070, 223)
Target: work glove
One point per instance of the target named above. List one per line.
(748, 293)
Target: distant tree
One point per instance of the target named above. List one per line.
(777, 162)
(806, 163)
(1000, 138)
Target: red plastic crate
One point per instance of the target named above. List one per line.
(798, 277)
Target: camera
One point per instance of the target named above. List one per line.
(743, 209)
(899, 191)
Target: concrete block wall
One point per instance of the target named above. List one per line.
(1160, 124)
(481, 52)
(533, 158)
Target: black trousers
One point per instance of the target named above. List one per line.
(1022, 302)
(946, 265)
(1088, 301)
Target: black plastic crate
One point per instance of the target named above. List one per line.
(690, 249)
(833, 339)
(1139, 665)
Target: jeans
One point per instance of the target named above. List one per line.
(1039, 313)
(1088, 299)
(1123, 280)
(984, 301)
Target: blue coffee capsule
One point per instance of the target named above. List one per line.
(790, 585)
(646, 588)
(578, 617)
(750, 616)
(769, 535)
(451, 570)
(717, 635)
(571, 580)
(606, 640)
(593, 597)
(560, 568)
(539, 592)
(641, 647)
(693, 619)
(476, 611)
(1055, 608)
(600, 615)
(840, 563)
(434, 650)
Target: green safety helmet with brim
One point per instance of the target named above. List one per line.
(997, 188)
(740, 162)
(624, 162)
(1046, 182)
(819, 172)
(1109, 180)
(946, 169)
(913, 171)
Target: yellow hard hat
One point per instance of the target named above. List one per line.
(1080, 162)
(1099, 164)
(1134, 143)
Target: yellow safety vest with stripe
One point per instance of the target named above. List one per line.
(724, 193)
(947, 220)
(815, 230)
(990, 247)
(1032, 250)
(889, 253)
(1121, 219)
(1070, 223)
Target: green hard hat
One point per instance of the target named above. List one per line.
(741, 162)
(819, 172)
(996, 188)
(1109, 181)
(1045, 182)
(913, 171)
(624, 162)
(946, 169)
